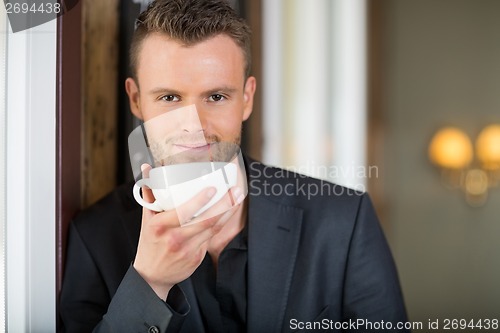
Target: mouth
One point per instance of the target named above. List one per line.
(193, 147)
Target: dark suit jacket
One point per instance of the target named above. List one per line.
(316, 256)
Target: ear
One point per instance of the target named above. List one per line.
(248, 93)
(134, 97)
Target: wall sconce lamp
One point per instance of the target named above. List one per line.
(452, 151)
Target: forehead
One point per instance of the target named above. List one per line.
(217, 57)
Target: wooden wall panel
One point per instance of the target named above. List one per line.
(252, 129)
(100, 98)
(87, 46)
(68, 120)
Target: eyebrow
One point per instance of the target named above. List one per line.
(223, 89)
(160, 90)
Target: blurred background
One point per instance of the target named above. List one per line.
(353, 91)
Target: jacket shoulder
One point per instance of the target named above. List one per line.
(113, 220)
(296, 189)
(112, 206)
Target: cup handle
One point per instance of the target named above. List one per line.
(137, 196)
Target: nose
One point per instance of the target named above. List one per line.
(193, 120)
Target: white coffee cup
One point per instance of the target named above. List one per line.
(173, 185)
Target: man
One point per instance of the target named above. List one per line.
(269, 264)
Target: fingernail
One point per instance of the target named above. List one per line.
(237, 193)
(211, 192)
(240, 199)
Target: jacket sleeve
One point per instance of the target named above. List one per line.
(87, 306)
(372, 292)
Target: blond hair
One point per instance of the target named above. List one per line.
(191, 22)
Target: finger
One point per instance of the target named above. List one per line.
(167, 221)
(210, 227)
(233, 197)
(184, 235)
(147, 193)
(205, 229)
(197, 234)
(186, 211)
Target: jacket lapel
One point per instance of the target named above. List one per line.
(274, 233)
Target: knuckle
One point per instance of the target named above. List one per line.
(216, 228)
(209, 223)
(186, 255)
(198, 257)
(158, 230)
(173, 241)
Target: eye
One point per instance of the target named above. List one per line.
(216, 98)
(170, 98)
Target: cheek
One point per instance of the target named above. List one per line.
(147, 109)
(227, 127)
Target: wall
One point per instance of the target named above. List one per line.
(441, 66)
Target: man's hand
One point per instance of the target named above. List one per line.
(168, 253)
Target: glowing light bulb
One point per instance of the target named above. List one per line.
(451, 148)
(488, 147)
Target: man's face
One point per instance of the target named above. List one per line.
(206, 80)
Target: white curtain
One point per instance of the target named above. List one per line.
(314, 89)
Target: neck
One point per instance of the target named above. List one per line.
(231, 228)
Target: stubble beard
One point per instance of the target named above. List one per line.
(218, 150)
